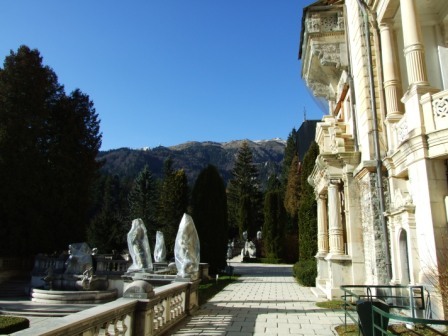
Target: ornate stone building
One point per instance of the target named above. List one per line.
(381, 179)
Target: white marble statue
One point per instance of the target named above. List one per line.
(160, 249)
(249, 250)
(187, 248)
(138, 246)
(79, 260)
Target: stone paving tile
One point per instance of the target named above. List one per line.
(266, 300)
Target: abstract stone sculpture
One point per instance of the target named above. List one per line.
(160, 249)
(138, 246)
(80, 258)
(249, 250)
(187, 248)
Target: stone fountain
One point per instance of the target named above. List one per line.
(80, 276)
(83, 276)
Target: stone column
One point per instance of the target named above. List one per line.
(322, 226)
(413, 45)
(334, 220)
(392, 86)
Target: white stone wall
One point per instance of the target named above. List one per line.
(414, 152)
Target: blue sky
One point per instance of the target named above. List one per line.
(163, 72)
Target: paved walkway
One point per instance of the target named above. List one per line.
(266, 300)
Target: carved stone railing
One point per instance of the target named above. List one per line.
(127, 316)
(435, 111)
(104, 264)
(110, 265)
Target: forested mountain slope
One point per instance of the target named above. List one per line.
(193, 157)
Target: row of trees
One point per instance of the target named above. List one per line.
(49, 141)
(52, 191)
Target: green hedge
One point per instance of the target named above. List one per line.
(305, 272)
(11, 324)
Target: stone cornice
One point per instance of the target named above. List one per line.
(364, 168)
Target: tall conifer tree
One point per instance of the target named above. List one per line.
(141, 200)
(108, 228)
(209, 212)
(274, 224)
(48, 147)
(291, 150)
(244, 197)
(308, 208)
(172, 204)
(292, 194)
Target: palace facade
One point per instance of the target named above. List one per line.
(381, 178)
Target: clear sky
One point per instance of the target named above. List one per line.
(163, 72)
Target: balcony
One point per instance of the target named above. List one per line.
(434, 117)
(323, 49)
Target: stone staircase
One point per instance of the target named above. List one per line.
(14, 288)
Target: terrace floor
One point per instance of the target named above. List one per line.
(265, 300)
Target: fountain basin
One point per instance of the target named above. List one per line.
(75, 297)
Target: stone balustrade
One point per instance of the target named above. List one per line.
(104, 264)
(109, 265)
(127, 316)
(435, 111)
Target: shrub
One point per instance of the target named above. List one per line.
(305, 271)
(11, 324)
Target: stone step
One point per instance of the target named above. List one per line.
(14, 288)
(318, 293)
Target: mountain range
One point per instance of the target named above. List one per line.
(193, 157)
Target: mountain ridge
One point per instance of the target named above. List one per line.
(193, 156)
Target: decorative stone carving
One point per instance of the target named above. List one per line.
(401, 199)
(402, 130)
(440, 107)
(336, 142)
(318, 22)
(320, 89)
(329, 54)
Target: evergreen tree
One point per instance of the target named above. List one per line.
(107, 230)
(172, 204)
(292, 194)
(48, 144)
(273, 183)
(274, 224)
(291, 150)
(209, 212)
(308, 208)
(244, 198)
(73, 145)
(141, 200)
